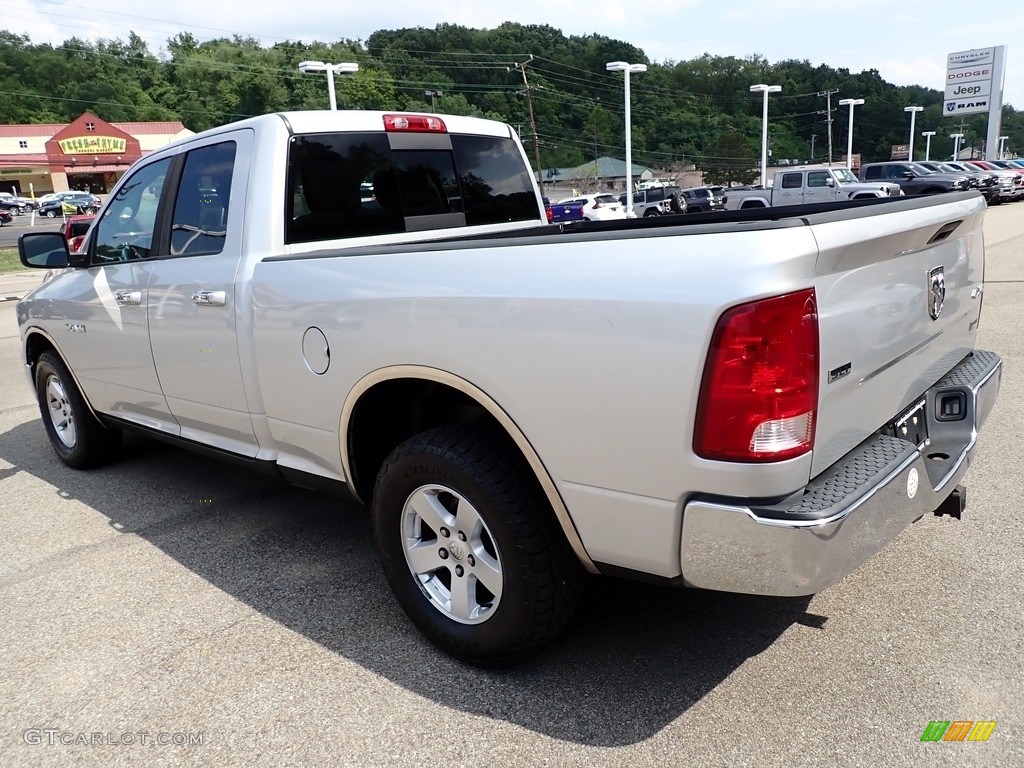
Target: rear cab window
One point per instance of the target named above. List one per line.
(358, 184)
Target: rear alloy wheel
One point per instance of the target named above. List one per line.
(471, 547)
(77, 436)
(51, 214)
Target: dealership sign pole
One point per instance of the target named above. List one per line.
(974, 83)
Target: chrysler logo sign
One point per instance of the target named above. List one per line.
(936, 292)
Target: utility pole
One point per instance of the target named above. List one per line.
(828, 113)
(533, 123)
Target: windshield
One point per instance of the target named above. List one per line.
(844, 176)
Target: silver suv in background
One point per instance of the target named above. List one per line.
(656, 201)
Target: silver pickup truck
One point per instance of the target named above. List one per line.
(374, 302)
(804, 186)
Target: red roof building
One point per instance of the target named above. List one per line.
(88, 153)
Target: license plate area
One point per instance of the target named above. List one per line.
(912, 425)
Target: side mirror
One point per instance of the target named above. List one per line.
(44, 250)
(830, 182)
(908, 175)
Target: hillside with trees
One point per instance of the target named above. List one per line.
(687, 113)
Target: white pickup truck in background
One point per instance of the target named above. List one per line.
(374, 302)
(803, 186)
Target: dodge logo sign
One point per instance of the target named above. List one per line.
(936, 292)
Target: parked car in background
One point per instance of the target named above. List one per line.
(75, 229)
(656, 201)
(704, 199)
(995, 188)
(6, 217)
(914, 178)
(1016, 179)
(803, 186)
(603, 207)
(15, 204)
(1006, 165)
(70, 203)
(43, 199)
(562, 213)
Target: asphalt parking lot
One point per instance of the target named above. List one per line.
(170, 611)
(9, 233)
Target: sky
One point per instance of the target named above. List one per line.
(907, 42)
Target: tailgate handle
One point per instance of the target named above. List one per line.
(945, 231)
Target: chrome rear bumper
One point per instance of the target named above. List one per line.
(847, 514)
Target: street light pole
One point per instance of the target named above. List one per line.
(615, 66)
(765, 89)
(956, 144)
(849, 133)
(433, 95)
(343, 68)
(928, 144)
(913, 114)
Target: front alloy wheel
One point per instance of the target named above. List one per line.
(62, 415)
(79, 439)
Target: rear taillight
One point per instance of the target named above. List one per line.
(759, 394)
(414, 123)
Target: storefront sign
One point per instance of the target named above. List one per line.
(92, 145)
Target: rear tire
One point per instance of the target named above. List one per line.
(471, 547)
(77, 436)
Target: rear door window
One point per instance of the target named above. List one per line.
(199, 222)
(359, 184)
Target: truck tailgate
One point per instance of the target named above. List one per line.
(899, 296)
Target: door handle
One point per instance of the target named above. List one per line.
(126, 298)
(209, 298)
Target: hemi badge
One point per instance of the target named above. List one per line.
(75, 327)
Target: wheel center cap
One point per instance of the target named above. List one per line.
(457, 551)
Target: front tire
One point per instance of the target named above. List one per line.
(77, 436)
(51, 214)
(471, 547)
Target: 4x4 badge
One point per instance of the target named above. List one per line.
(936, 292)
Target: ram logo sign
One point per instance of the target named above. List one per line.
(958, 730)
(963, 107)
